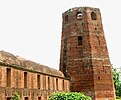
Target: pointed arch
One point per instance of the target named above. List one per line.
(93, 16)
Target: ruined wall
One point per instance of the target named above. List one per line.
(84, 56)
(31, 85)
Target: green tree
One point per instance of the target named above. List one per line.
(117, 83)
(69, 96)
(16, 96)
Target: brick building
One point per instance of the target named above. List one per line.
(84, 60)
(84, 57)
(31, 80)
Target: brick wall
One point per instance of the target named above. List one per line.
(84, 56)
(31, 91)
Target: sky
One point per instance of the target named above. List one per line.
(32, 28)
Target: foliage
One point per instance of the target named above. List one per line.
(69, 96)
(117, 83)
(118, 98)
(16, 96)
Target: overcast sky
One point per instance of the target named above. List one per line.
(32, 28)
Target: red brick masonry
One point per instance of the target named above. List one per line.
(84, 55)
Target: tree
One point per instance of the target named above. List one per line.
(117, 83)
(69, 96)
(16, 96)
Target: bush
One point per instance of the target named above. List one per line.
(16, 96)
(118, 98)
(69, 96)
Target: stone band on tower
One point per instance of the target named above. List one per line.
(84, 56)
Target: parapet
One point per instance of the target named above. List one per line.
(12, 60)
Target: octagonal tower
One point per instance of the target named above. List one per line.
(84, 56)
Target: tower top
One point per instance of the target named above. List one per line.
(81, 9)
(82, 14)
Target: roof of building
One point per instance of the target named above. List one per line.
(11, 59)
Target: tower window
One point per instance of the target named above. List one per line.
(63, 85)
(48, 83)
(93, 16)
(26, 98)
(99, 78)
(66, 18)
(39, 98)
(79, 40)
(25, 79)
(8, 77)
(56, 84)
(79, 15)
(38, 81)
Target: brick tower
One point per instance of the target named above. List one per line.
(84, 56)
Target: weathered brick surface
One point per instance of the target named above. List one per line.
(32, 91)
(29, 81)
(87, 65)
(84, 59)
